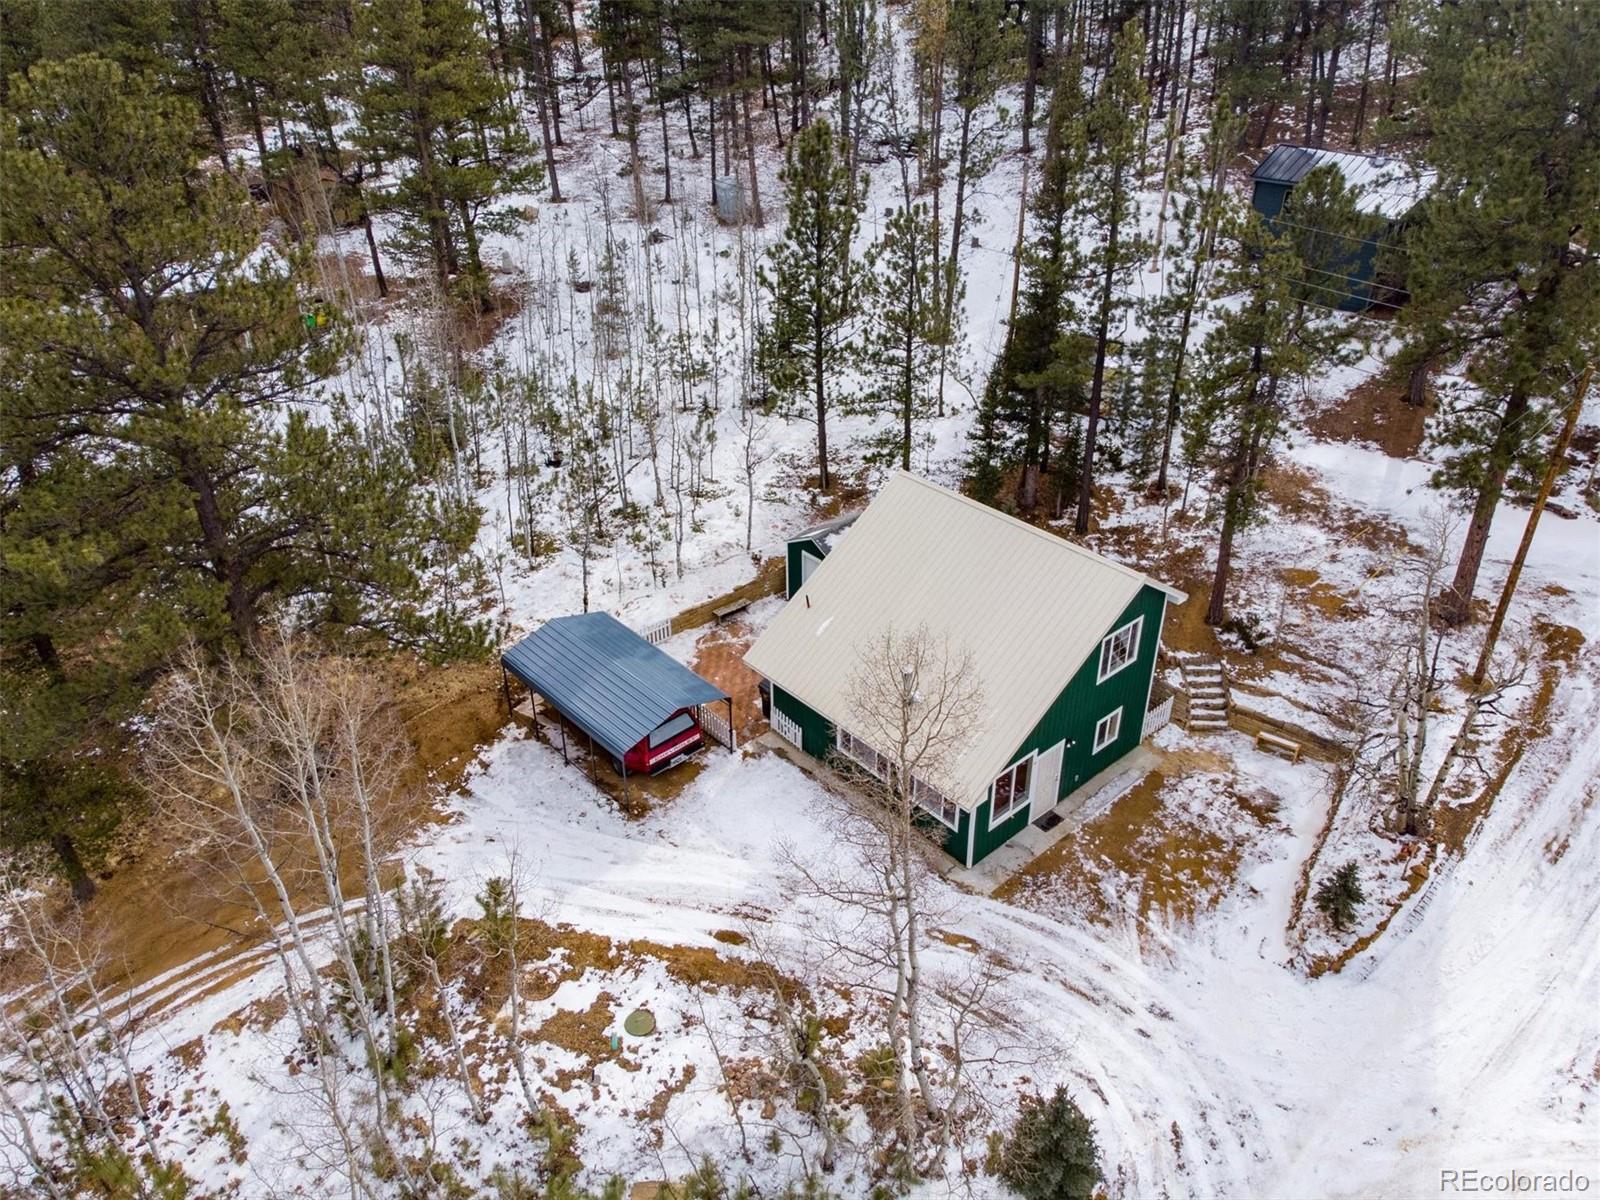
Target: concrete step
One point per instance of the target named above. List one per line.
(1208, 726)
(1197, 706)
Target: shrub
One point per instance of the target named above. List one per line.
(1340, 895)
(1052, 1154)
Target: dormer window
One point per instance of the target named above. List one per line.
(1120, 649)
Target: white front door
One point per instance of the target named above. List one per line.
(1046, 781)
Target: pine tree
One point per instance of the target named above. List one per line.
(1170, 319)
(905, 331)
(430, 99)
(1502, 269)
(1115, 124)
(1036, 362)
(164, 479)
(1052, 1153)
(1340, 895)
(1267, 336)
(811, 280)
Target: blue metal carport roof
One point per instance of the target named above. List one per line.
(605, 678)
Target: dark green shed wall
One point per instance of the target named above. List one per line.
(1348, 284)
(791, 576)
(816, 734)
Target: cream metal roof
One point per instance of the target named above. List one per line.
(1027, 605)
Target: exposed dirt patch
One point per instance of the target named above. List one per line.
(1152, 850)
(654, 1113)
(583, 1031)
(1376, 413)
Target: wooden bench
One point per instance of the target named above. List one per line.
(730, 609)
(1275, 744)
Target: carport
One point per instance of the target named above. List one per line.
(610, 683)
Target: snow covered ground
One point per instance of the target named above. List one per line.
(1466, 1037)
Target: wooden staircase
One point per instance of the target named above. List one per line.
(1207, 689)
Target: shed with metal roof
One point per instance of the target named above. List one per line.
(609, 682)
(1384, 191)
(1061, 641)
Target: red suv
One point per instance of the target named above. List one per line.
(667, 745)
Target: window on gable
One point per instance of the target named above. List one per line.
(1107, 730)
(1120, 649)
(1013, 788)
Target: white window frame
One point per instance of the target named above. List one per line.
(877, 764)
(1101, 739)
(1033, 778)
(1108, 643)
(935, 803)
(806, 571)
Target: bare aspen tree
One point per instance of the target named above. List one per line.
(914, 703)
(1414, 685)
(281, 770)
(71, 1045)
(755, 451)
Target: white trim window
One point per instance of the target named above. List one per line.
(809, 562)
(935, 803)
(854, 748)
(1107, 729)
(1120, 649)
(1013, 790)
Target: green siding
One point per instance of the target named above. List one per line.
(816, 737)
(1267, 198)
(1352, 271)
(1078, 709)
(986, 841)
(816, 734)
(792, 564)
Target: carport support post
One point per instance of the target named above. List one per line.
(562, 725)
(626, 799)
(733, 738)
(505, 690)
(592, 777)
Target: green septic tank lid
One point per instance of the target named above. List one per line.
(640, 1023)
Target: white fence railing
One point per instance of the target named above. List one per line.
(657, 633)
(786, 727)
(716, 726)
(1157, 717)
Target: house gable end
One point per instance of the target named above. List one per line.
(1079, 707)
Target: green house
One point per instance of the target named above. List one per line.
(1062, 641)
